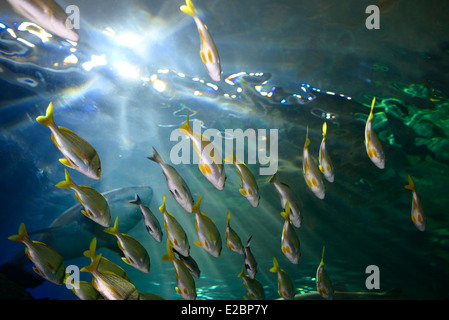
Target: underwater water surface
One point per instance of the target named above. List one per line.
(288, 66)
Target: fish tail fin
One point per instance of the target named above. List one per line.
(93, 266)
(188, 8)
(196, 207)
(324, 130)
(163, 208)
(307, 139)
(136, 200)
(114, 230)
(156, 157)
(241, 274)
(411, 185)
(275, 267)
(47, 120)
(286, 214)
(230, 158)
(186, 126)
(170, 256)
(228, 218)
(22, 236)
(322, 256)
(92, 247)
(67, 183)
(249, 241)
(370, 117)
(272, 179)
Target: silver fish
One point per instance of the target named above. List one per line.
(209, 54)
(110, 285)
(289, 241)
(95, 205)
(253, 287)
(185, 283)
(135, 253)
(286, 194)
(249, 260)
(176, 184)
(209, 237)
(78, 153)
(48, 263)
(323, 282)
(372, 143)
(285, 285)
(151, 222)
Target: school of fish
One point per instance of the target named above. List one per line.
(109, 280)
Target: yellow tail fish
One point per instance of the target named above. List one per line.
(372, 143)
(285, 285)
(210, 165)
(208, 52)
(185, 284)
(135, 253)
(325, 165)
(418, 214)
(95, 205)
(48, 263)
(311, 173)
(110, 285)
(323, 282)
(78, 153)
(209, 237)
(175, 233)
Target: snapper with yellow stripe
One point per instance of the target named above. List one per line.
(233, 240)
(135, 253)
(78, 153)
(418, 214)
(211, 165)
(323, 282)
(372, 143)
(290, 245)
(95, 205)
(325, 163)
(248, 188)
(285, 285)
(209, 237)
(208, 52)
(185, 284)
(110, 285)
(48, 263)
(311, 173)
(176, 235)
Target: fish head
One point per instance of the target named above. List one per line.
(214, 71)
(94, 170)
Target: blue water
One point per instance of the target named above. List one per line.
(135, 74)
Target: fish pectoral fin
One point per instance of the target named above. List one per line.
(68, 163)
(37, 271)
(202, 169)
(87, 213)
(54, 141)
(321, 168)
(243, 192)
(126, 260)
(198, 243)
(178, 291)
